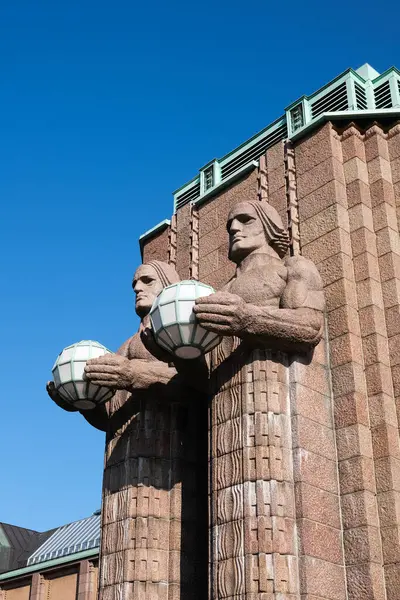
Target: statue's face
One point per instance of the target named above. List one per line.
(146, 286)
(246, 232)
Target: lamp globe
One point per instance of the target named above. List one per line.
(174, 323)
(69, 379)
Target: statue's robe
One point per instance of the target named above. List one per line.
(151, 544)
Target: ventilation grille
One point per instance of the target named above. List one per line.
(383, 98)
(361, 97)
(254, 152)
(208, 178)
(192, 194)
(297, 117)
(334, 100)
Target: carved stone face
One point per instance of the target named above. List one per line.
(146, 285)
(246, 232)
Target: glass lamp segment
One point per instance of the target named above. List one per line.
(167, 295)
(175, 334)
(187, 291)
(64, 372)
(185, 311)
(155, 318)
(168, 313)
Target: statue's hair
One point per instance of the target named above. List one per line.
(278, 236)
(166, 273)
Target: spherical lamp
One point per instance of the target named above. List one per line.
(69, 380)
(174, 323)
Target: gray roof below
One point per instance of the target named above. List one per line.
(69, 539)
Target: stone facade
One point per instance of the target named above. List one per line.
(76, 580)
(304, 480)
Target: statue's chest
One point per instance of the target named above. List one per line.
(137, 349)
(260, 287)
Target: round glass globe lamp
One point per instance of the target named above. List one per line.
(69, 380)
(174, 323)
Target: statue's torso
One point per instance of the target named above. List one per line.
(260, 280)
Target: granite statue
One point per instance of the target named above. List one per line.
(271, 316)
(151, 494)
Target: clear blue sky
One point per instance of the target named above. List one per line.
(105, 109)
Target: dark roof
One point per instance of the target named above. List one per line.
(17, 544)
(21, 547)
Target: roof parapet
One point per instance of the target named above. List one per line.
(362, 91)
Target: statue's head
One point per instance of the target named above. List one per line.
(148, 281)
(253, 226)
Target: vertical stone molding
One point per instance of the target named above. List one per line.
(183, 235)
(87, 581)
(291, 198)
(38, 587)
(194, 243)
(172, 242)
(393, 138)
(262, 181)
(385, 436)
(391, 288)
(252, 520)
(276, 176)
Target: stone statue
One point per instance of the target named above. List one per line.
(271, 301)
(153, 433)
(270, 311)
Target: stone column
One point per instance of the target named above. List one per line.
(252, 519)
(383, 376)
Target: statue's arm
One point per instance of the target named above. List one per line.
(299, 318)
(132, 374)
(145, 373)
(295, 325)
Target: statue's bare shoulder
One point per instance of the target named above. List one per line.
(304, 288)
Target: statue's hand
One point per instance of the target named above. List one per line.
(112, 371)
(222, 312)
(149, 342)
(55, 396)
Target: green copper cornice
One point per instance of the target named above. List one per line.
(48, 564)
(357, 94)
